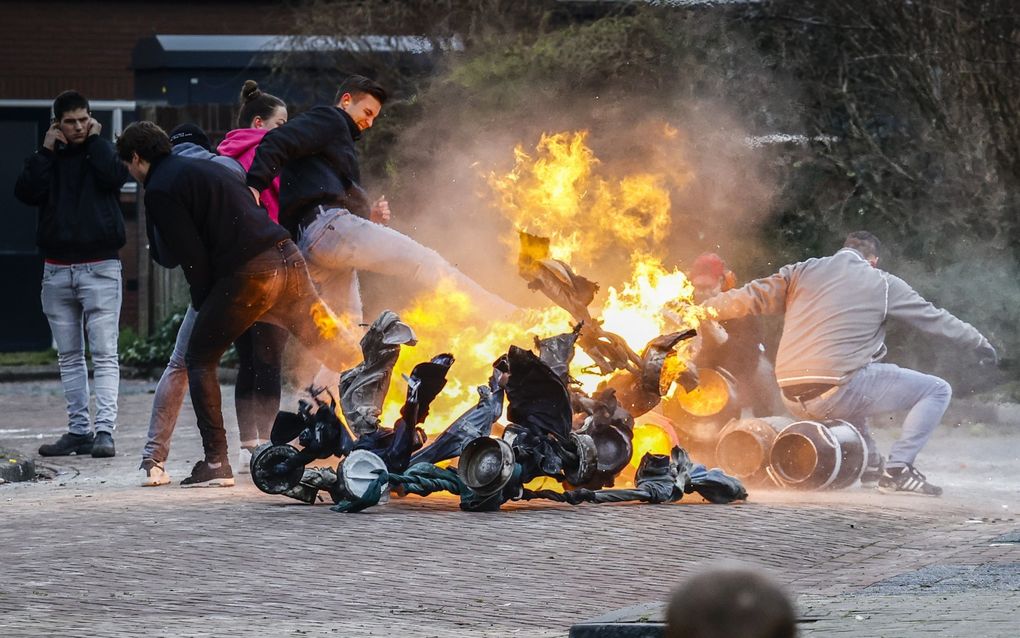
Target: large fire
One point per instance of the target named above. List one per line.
(557, 194)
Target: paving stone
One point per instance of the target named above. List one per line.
(97, 555)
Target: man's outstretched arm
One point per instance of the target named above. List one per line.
(907, 305)
(765, 296)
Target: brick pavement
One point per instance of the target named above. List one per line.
(89, 553)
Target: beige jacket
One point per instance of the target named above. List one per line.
(836, 308)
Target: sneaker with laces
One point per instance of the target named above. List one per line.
(153, 473)
(204, 476)
(906, 479)
(872, 473)
(68, 444)
(244, 460)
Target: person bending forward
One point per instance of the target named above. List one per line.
(240, 267)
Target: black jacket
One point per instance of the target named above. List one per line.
(76, 189)
(315, 152)
(206, 218)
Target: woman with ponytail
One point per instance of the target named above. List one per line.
(260, 348)
(260, 113)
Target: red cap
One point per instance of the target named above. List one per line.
(708, 266)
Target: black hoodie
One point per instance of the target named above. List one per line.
(314, 156)
(206, 218)
(75, 189)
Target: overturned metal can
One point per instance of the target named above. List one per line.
(811, 455)
(745, 446)
(587, 460)
(701, 414)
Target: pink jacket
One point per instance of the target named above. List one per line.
(241, 144)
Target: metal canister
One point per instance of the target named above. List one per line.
(813, 455)
(745, 446)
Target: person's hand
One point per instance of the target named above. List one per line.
(987, 356)
(255, 194)
(53, 135)
(94, 127)
(714, 331)
(380, 212)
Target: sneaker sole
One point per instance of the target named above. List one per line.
(156, 483)
(104, 455)
(218, 482)
(893, 490)
(75, 453)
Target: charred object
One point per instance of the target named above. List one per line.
(279, 468)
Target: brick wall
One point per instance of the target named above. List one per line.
(47, 47)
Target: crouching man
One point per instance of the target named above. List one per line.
(836, 310)
(241, 268)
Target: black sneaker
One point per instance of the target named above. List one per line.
(102, 446)
(872, 473)
(906, 479)
(204, 476)
(67, 445)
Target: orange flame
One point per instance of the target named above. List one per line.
(557, 194)
(649, 438)
(327, 322)
(711, 395)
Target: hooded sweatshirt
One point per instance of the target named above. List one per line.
(240, 144)
(160, 252)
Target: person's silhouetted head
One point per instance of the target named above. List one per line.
(730, 602)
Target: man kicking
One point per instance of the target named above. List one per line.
(241, 267)
(329, 214)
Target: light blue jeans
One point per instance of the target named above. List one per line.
(170, 391)
(879, 388)
(338, 244)
(82, 299)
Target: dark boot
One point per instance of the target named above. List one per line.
(204, 476)
(67, 445)
(102, 446)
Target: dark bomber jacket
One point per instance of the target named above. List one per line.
(315, 157)
(75, 189)
(207, 218)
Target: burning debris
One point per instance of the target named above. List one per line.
(540, 439)
(557, 430)
(363, 388)
(584, 411)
